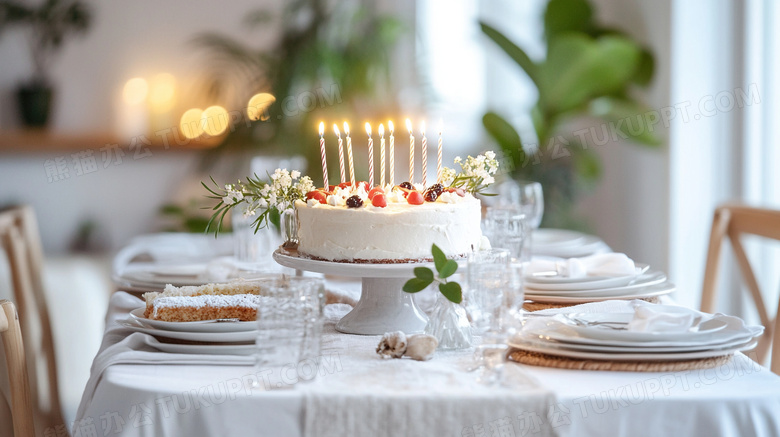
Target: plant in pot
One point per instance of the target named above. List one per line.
(49, 24)
(590, 71)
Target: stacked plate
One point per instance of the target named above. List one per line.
(146, 276)
(561, 289)
(209, 337)
(566, 244)
(605, 336)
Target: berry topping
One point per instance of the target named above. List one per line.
(415, 198)
(459, 191)
(374, 191)
(354, 202)
(344, 185)
(365, 186)
(407, 185)
(318, 195)
(433, 192)
(379, 200)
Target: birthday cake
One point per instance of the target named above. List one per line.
(387, 225)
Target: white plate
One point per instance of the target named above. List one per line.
(646, 280)
(547, 348)
(632, 349)
(210, 337)
(600, 332)
(638, 293)
(580, 284)
(578, 244)
(202, 349)
(548, 237)
(200, 326)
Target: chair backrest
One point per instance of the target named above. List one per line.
(20, 241)
(21, 400)
(733, 221)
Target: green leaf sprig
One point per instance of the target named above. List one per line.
(423, 277)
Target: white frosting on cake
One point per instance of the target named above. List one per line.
(399, 231)
(208, 300)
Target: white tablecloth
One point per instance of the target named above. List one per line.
(356, 393)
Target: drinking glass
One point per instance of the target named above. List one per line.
(531, 202)
(289, 322)
(506, 227)
(514, 298)
(487, 278)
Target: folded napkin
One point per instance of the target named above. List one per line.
(604, 264)
(664, 318)
(123, 346)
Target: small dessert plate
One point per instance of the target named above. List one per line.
(206, 326)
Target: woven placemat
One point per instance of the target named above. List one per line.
(538, 306)
(545, 360)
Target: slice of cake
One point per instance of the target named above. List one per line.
(231, 300)
(204, 307)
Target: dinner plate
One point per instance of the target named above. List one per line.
(548, 237)
(200, 326)
(579, 284)
(551, 349)
(632, 349)
(566, 244)
(202, 349)
(645, 280)
(209, 337)
(661, 289)
(597, 330)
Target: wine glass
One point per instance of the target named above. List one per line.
(531, 200)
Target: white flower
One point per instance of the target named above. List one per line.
(491, 155)
(295, 174)
(227, 200)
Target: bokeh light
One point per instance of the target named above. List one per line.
(135, 91)
(162, 91)
(214, 120)
(257, 108)
(191, 125)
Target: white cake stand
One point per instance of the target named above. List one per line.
(383, 305)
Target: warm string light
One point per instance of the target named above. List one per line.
(322, 152)
(349, 155)
(424, 155)
(439, 156)
(392, 154)
(341, 154)
(411, 151)
(381, 155)
(370, 157)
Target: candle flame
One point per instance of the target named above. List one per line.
(390, 125)
(336, 129)
(409, 126)
(422, 127)
(322, 128)
(381, 130)
(368, 129)
(346, 128)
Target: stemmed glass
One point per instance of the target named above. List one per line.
(506, 227)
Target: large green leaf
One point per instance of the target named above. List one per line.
(579, 68)
(449, 268)
(516, 53)
(645, 69)
(563, 16)
(628, 119)
(416, 285)
(507, 138)
(439, 258)
(452, 291)
(423, 273)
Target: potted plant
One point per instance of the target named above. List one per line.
(49, 23)
(590, 71)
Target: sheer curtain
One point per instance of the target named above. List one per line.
(722, 147)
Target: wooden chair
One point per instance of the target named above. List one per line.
(21, 399)
(733, 221)
(20, 241)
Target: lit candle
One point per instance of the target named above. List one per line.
(370, 157)
(438, 160)
(341, 154)
(392, 154)
(382, 155)
(322, 152)
(411, 151)
(349, 155)
(424, 156)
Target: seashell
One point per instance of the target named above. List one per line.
(421, 347)
(392, 345)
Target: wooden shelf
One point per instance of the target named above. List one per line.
(43, 141)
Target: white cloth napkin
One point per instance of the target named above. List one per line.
(604, 264)
(664, 318)
(123, 346)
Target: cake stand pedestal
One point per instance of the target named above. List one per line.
(383, 305)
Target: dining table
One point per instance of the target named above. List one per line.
(350, 390)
